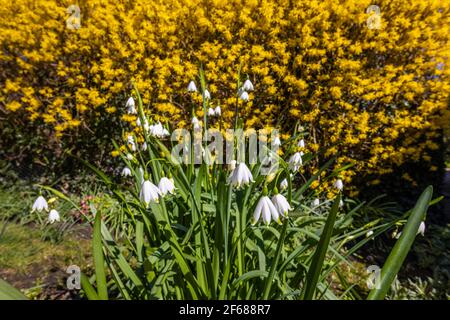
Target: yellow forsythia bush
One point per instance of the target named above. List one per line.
(372, 95)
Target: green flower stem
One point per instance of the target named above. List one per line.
(273, 268)
(239, 239)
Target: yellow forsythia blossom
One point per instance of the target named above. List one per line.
(372, 96)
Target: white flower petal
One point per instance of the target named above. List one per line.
(207, 95)
(316, 202)
(130, 105)
(40, 204)
(166, 186)
(248, 85)
(233, 165)
(301, 143)
(126, 172)
(266, 211)
(241, 175)
(273, 211)
(421, 228)
(149, 192)
(53, 216)
(192, 87)
(284, 184)
(257, 212)
(295, 161)
(244, 96)
(276, 142)
(339, 185)
(281, 204)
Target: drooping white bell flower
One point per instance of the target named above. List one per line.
(139, 123)
(301, 143)
(341, 203)
(195, 123)
(240, 176)
(192, 87)
(126, 172)
(130, 156)
(130, 102)
(156, 130)
(132, 146)
(144, 146)
(421, 228)
(166, 186)
(149, 192)
(211, 112)
(232, 165)
(276, 142)
(267, 209)
(218, 111)
(282, 205)
(165, 133)
(206, 95)
(339, 184)
(295, 161)
(159, 131)
(130, 105)
(53, 216)
(369, 233)
(316, 202)
(284, 184)
(244, 96)
(146, 126)
(40, 204)
(248, 85)
(132, 110)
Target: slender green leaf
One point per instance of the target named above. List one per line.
(8, 292)
(401, 248)
(88, 289)
(321, 251)
(99, 261)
